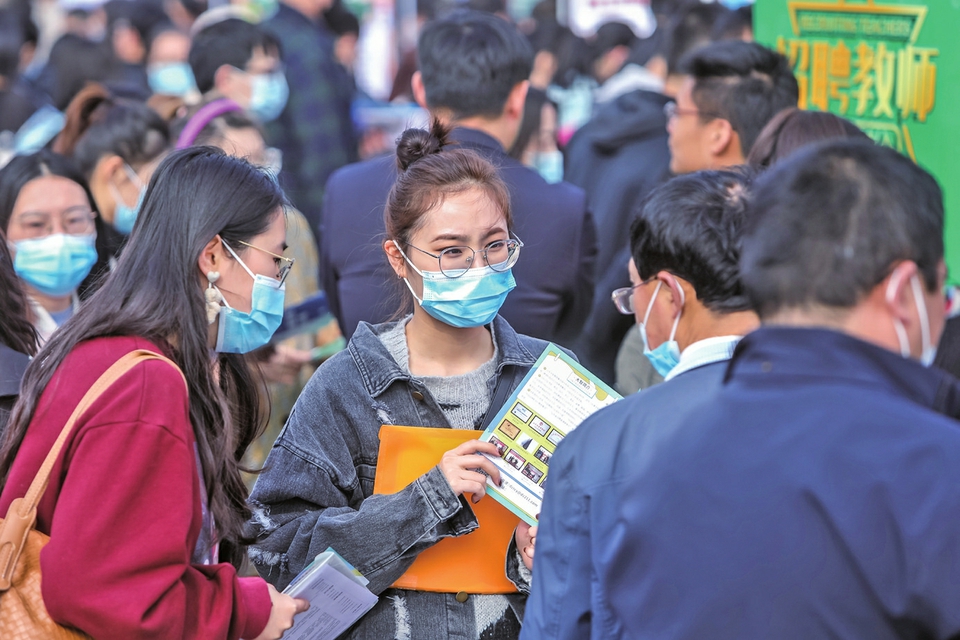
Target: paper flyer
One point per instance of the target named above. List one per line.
(338, 597)
(554, 398)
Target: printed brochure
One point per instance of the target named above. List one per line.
(338, 597)
(553, 399)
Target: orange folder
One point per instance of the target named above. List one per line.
(473, 563)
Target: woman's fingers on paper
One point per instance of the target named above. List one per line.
(302, 605)
(476, 446)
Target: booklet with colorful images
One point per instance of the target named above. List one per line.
(338, 597)
(552, 400)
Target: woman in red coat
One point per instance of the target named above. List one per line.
(145, 504)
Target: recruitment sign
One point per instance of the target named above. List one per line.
(893, 68)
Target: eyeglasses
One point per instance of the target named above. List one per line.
(74, 222)
(499, 255)
(623, 297)
(284, 264)
(671, 111)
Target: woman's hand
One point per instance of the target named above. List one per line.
(461, 467)
(282, 611)
(526, 537)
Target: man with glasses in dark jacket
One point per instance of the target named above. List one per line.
(816, 493)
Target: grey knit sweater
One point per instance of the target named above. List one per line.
(464, 399)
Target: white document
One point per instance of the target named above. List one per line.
(337, 594)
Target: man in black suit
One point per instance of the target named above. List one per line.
(473, 73)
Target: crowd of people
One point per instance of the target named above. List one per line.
(764, 284)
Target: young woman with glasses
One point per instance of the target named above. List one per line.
(49, 218)
(146, 504)
(449, 240)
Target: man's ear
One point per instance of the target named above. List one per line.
(674, 286)
(513, 107)
(419, 91)
(108, 169)
(722, 138)
(896, 291)
(397, 263)
(224, 80)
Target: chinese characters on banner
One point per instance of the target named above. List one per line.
(892, 67)
(861, 62)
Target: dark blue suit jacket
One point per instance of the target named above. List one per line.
(588, 477)
(816, 496)
(554, 274)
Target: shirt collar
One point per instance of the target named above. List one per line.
(704, 352)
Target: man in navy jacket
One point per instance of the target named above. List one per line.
(473, 73)
(685, 247)
(816, 493)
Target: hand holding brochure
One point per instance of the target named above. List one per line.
(338, 597)
(553, 399)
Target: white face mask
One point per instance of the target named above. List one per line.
(929, 352)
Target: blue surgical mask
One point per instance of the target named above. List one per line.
(125, 216)
(472, 300)
(55, 265)
(929, 353)
(171, 79)
(666, 356)
(241, 332)
(268, 95)
(549, 165)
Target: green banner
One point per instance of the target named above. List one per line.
(893, 68)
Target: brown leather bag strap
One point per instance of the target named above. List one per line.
(104, 382)
(23, 511)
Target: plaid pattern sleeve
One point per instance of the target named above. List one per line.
(314, 132)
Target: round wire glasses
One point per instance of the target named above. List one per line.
(499, 255)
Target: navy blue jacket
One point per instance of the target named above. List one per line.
(554, 274)
(587, 476)
(618, 158)
(817, 496)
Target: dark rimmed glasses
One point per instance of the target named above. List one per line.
(671, 111)
(623, 297)
(499, 255)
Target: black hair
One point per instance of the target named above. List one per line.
(611, 35)
(99, 124)
(74, 62)
(341, 20)
(530, 125)
(829, 223)
(230, 42)
(470, 61)
(16, 330)
(23, 169)
(731, 25)
(744, 83)
(214, 131)
(692, 227)
(11, 41)
(156, 293)
(688, 29)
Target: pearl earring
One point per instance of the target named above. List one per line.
(213, 297)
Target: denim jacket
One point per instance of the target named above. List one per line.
(316, 490)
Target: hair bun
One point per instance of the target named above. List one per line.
(415, 144)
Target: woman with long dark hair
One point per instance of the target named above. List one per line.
(145, 506)
(18, 338)
(49, 217)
